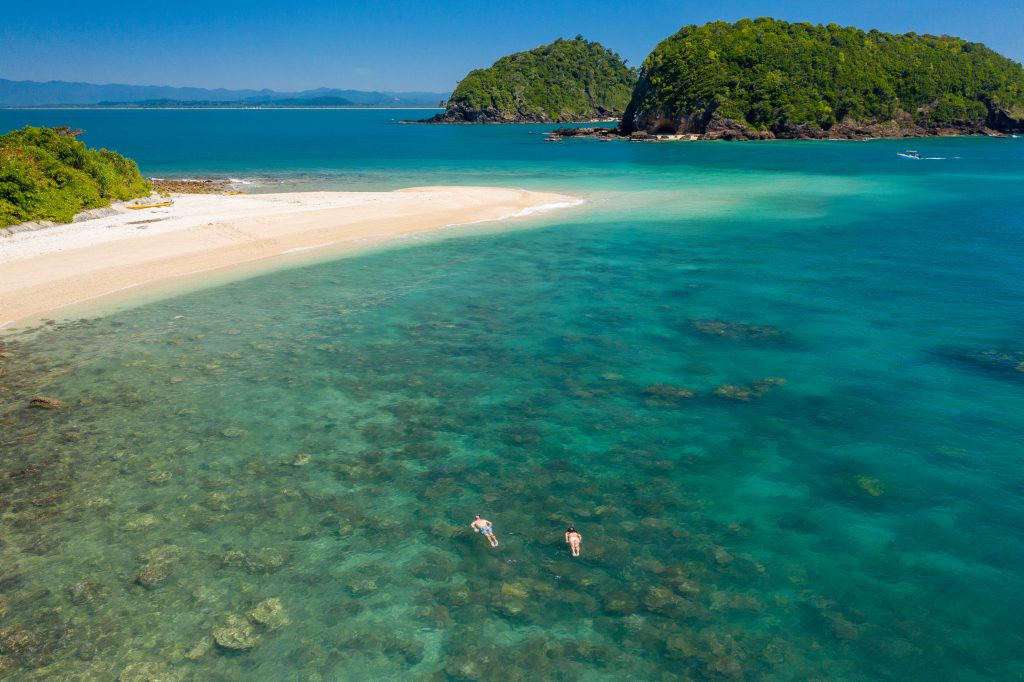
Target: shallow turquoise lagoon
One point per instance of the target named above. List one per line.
(779, 388)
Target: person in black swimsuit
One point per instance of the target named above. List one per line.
(573, 537)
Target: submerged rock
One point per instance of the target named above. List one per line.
(84, 592)
(666, 394)
(15, 639)
(1000, 362)
(45, 403)
(681, 646)
(147, 672)
(201, 648)
(269, 613)
(159, 565)
(140, 522)
(152, 574)
(755, 389)
(735, 330)
(263, 560)
(237, 635)
(872, 486)
(841, 626)
(157, 477)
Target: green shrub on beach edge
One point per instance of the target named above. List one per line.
(46, 174)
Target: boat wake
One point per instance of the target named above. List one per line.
(910, 154)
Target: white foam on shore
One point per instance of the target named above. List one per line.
(544, 208)
(523, 213)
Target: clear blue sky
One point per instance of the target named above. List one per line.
(399, 44)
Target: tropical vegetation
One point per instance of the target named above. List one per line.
(772, 75)
(568, 80)
(47, 174)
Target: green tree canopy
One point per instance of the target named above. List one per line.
(46, 174)
(771, 75)
(568, 80)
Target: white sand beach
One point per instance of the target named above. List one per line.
(47, 270)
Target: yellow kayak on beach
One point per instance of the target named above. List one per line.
(136, 207)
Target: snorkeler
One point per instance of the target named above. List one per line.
(573, 537)
(484, 526)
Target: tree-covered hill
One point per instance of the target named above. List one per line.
(767, 78)
(568, 80)
(46, 174)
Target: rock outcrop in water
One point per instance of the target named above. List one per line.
(568, 80)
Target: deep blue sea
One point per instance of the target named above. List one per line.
(778, 387)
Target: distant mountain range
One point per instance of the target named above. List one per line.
(62, 93)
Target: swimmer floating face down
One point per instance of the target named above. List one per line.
(484, 527)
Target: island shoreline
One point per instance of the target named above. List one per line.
(203, 240)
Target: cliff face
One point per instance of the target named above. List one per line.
(566, 81)
(771, 79)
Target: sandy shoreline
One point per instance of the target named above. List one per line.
(45, 271)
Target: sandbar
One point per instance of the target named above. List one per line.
(65, 266)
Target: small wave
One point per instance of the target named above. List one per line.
(544, 208)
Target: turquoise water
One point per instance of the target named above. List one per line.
(777, 387)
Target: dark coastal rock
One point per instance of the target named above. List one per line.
(729, 130)
(208, 186)
(42, 402)
(460, 113)
(597, 132)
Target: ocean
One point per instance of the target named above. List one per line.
(778, 388)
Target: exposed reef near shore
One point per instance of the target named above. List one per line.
(208, 186)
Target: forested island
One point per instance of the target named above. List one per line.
(765, 79)
(566, 81)
(47, 174)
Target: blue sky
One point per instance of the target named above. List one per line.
(400, 45)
